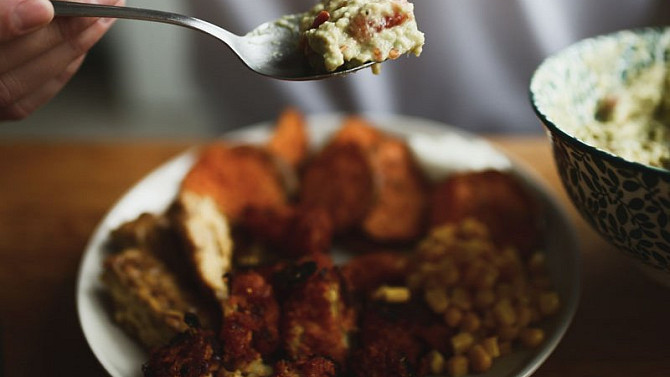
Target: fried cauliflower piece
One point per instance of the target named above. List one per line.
(149, 303)
(250, 327)
(151, 293)
(316, 320)
(193, 353)
(206, 237)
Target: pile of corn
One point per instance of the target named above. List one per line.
(493, 297)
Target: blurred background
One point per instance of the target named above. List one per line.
(139, 81)
(135, 83)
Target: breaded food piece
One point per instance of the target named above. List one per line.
(311, 367)
(495, 198)
(357, 130)
(387, 346)
(192, 353)
(293, 231)
(149, 303)
(398, 207)
(340, 180)
(316, 320)
(145, 232)
(236, 177)
(290, 140)
(208, 245)
(398, 214)
(364, 273)
(250, 327)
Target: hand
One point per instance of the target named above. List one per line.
(39, 53)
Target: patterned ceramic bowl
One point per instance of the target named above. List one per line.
(626, 202)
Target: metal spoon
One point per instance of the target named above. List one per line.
(271, 49)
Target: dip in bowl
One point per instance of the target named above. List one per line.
(605, 103)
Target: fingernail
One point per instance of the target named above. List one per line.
(30, 14)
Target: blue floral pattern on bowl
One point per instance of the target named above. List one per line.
(630, 207)
(628, 203)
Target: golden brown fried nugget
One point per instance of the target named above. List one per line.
(250, 327)
(398, 213)
(193, 353)
(366, 272)
(495, 198)
(293, 231)
(289, 140)
(357, 130)
(311, 367)
(316, 321)
(339, 180)
(236, 177)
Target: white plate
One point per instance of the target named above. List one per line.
(441, 149)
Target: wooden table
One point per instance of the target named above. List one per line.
(53, 194)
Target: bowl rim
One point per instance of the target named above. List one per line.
(574, 141)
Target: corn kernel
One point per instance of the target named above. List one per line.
(505, 348)
(524, 315)
(461, 298)
(508, 332)
(484, 298)
(436, 299)
(470, 322)
(491, 346)
(457, 366)
(480, 360)
(548, 303)
(389, 294)
(504, 312)
(436, 362)
(531, 337)
(462, 342)
(536, 263)
(453, 316)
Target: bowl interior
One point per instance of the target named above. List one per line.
(603, 91)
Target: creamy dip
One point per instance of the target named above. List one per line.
(354, 32)
(633, 121)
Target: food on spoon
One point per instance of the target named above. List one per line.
(353, 32)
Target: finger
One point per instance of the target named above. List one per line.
(19, 17)
(26, 78)
(20, 50)
(31, 102)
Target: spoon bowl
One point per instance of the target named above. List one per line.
(271, 49)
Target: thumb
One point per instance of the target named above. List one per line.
(19, 17)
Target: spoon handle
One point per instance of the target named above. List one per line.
(73, 9)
